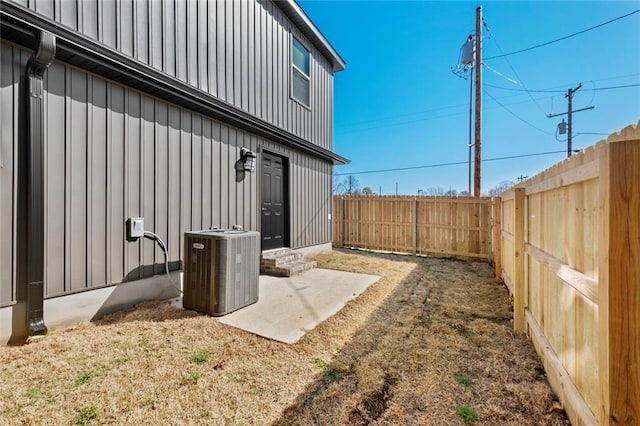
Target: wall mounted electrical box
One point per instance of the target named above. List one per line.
(135, 228)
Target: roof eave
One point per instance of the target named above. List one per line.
(22, 26)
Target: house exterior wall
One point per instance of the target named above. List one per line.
(238, 51)
(146, 109)
(112, 152)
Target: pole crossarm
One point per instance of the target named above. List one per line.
(565, 113)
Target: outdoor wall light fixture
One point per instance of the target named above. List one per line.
(248, 159)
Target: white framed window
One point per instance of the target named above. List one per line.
(300, 72)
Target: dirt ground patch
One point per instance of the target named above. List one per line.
(429, 344)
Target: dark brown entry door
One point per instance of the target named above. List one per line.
(273, 201)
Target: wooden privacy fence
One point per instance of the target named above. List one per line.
(436, 226)
(569, 252)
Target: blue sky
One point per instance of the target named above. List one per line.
(399, 105)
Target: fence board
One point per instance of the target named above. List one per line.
(579, 174)
(497, 237)
(456, 227)
(558, 374)
(519, 274)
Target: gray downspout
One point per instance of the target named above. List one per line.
(36, 67)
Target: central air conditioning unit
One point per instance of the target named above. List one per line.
(221, 270)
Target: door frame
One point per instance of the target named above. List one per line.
(286, 201)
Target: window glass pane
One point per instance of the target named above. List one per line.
(300, 87)
(300, 57)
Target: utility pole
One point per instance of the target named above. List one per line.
(478, 126)
(569, 113)
(569, 96)
(470, 121)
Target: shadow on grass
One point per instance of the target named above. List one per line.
(400, 367)
(147, 311)
(343, 394)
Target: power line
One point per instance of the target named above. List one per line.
(550, 90)
(593, 92)
(575, 135)
(517, 116)
(594, 89)
(382, 126)
(417, 120)
(409, 114)
(502, 55)
(523, 90)
(352, 127)
(457, 163)
(618, 77)
(493, 37)
(498, 73)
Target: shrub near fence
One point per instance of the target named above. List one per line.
(570, 254)
(434, 226)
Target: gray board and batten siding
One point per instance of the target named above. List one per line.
(113, 152)
(237, 51)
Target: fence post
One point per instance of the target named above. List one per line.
(619, 284)
(415, 226)
(497, 237)
(343, 240)
(519, 323)
(476, 223)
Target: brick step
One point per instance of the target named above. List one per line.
(274, 254)
(280, 258)
(288, 269)
(284, 263)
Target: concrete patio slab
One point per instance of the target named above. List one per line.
(289, 307)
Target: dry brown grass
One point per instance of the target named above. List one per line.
(389, 357)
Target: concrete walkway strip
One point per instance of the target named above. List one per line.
(289, 307)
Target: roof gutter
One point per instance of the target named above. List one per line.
(21, 25)
(36, 67)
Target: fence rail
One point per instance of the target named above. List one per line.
(568, 251)
(435, 226)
